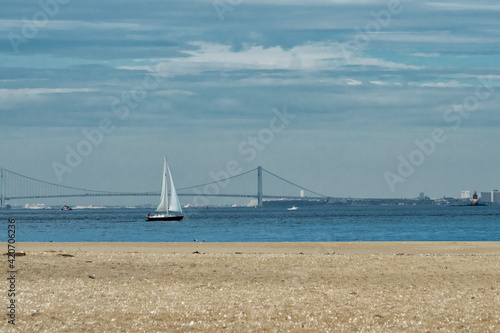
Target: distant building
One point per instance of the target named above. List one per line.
(302, 193)
(495, 196)
(486, 196)
(421, 196)
(465, 195)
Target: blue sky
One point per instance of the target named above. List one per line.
(361, 81)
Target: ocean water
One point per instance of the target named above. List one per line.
(277, 224)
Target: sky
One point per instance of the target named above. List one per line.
(357, 98)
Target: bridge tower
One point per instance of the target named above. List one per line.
(2, 189)
(259, 186)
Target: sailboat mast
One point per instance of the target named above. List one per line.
(165, 181)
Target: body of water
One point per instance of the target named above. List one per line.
(307, 224)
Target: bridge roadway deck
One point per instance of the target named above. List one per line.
(157, 194)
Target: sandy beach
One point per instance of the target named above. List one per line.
(256, 287)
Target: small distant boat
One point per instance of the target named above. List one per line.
(293, 208)
(168, 210)
(66, 207)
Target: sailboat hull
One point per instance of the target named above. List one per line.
(164, 217)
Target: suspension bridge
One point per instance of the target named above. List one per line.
(14, 186)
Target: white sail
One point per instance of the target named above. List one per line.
(163, 206)
(174, 205)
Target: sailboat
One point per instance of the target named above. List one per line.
(168, 209)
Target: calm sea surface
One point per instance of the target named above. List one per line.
(315, 224)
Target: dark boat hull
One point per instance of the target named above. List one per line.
(164, 217)
(478, 204)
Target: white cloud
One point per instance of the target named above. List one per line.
(285, 80)
(367, 61)
(439, 37)
(462, 6)
(8, 96)
(387, 84)
(174, 92)
(9, 24)
(310, 2)
(41, 91)
(488, 77)
(449, 84)
(75, 25)
(426, 55)
(306, 57)
(352, 82)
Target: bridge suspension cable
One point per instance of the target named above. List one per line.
(217, 181)
(58, 185)
(291, 183)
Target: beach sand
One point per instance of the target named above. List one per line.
(256, 287)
